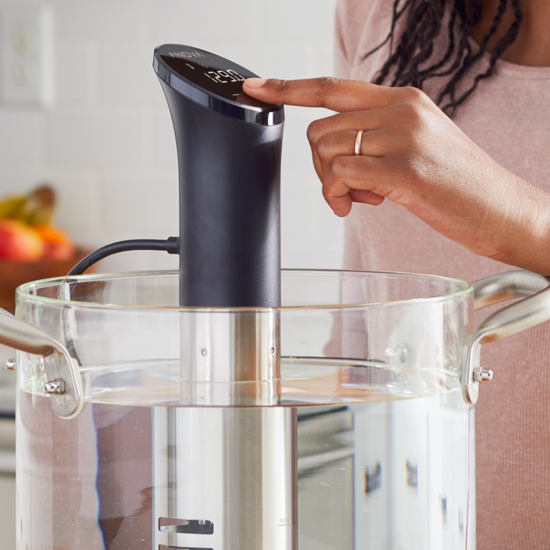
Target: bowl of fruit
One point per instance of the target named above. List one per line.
(31, 247)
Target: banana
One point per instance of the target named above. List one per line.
(38, 209)
(34, 208)
(11, 205)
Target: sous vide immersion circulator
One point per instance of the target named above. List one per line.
(228, 466)
(229, 152)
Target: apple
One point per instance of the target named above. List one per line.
(57, 244)
(19, 242)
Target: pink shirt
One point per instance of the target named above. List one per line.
(509, 117)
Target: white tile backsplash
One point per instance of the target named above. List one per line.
(21, 136)
(150, 203)
(297, 158)
(77, 77)
(100, 19)
(78, 207)
(168, 20)
(161, 142)
(102, 137)
(126, 73)
(108, 146)
(218, 19)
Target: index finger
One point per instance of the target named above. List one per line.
(332, 93)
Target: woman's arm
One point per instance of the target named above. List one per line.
(415, 156)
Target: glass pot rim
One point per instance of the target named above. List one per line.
(25, 291)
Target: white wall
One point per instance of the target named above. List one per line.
(107, 142)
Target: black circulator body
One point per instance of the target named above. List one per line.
(229, 156)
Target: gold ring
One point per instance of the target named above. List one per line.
(358, 140)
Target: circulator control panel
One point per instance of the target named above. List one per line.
(213, 82)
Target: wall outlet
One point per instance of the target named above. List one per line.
(27, 54)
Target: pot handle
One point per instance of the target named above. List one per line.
(517, 317)
(64, 384)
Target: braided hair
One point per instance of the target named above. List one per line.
(412, 62)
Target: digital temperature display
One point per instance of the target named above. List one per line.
(224, 77)
(208, 71)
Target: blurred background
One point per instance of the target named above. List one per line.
(81, 108)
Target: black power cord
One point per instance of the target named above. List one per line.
(170, 245)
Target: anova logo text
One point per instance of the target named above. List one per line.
(186, 55)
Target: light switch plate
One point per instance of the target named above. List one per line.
(27, 53)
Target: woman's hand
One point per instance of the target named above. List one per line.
(412, 154)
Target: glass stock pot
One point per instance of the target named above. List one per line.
(342, 420)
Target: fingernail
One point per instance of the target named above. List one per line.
(255, 82)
